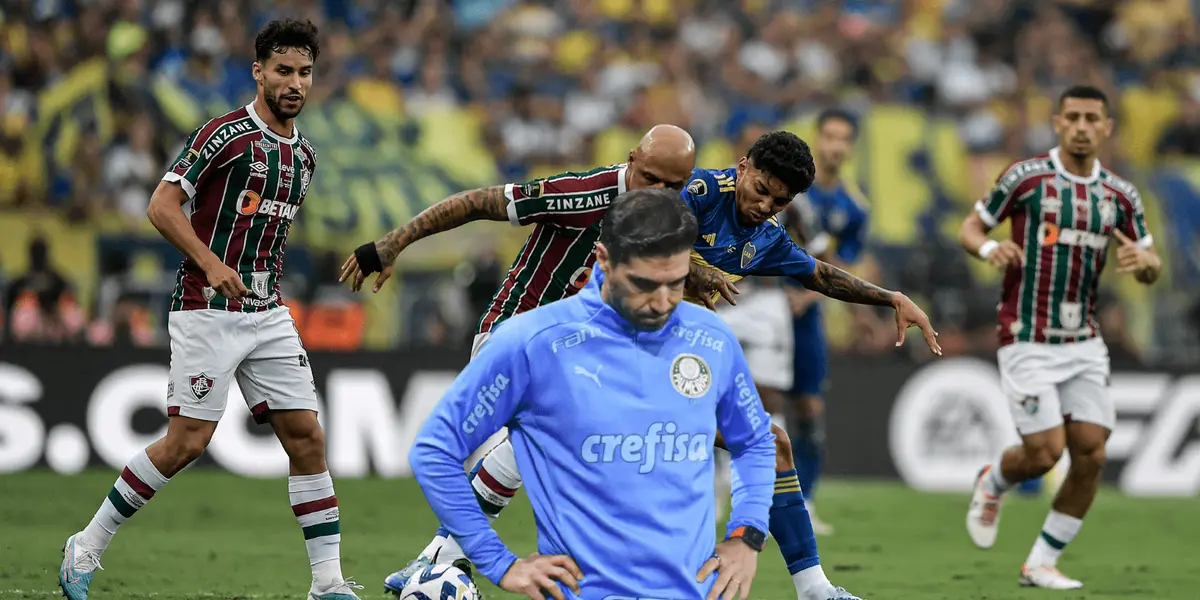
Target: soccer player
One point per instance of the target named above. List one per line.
(740, 235)
(244, 175)
(611, 412)
(1066, 209)
(835, 213)
(556, 261)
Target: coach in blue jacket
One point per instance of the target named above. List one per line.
(612, 414)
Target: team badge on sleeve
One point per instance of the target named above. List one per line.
(533, 189)
(201, 385)
(690, 375)
(697, 187)
(188, 159)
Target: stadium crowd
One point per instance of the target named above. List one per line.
(96, 95)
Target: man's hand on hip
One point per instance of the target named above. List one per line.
(735, 564)
(538, 575)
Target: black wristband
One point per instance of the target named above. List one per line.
(753, 537)
(368, 258)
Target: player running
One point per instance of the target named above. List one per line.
(1065, 209)
(832, 217)
(245, 174)
(618, 466)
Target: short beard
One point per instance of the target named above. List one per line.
(616, 299)
(277, 110)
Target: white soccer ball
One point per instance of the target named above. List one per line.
(440, 582)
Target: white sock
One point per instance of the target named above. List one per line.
(316, 509)
(1057, 532)
(994, 482)
(497, 480)
(811, 583)
(132, 490)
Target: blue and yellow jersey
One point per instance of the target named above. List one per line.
(840, 213)
(724, 244)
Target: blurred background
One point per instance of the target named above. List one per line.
(416, 99)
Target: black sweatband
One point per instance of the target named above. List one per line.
(368, 258)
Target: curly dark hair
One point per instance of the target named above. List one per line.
(785, 156)
(278, 36)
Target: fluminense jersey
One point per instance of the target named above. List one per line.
(556, 260)
(1064, 224)
(731, 248)
(613, 430)
(246, 184)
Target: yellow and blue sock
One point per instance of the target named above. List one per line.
(790, 524)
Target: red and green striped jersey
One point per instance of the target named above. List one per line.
(1064, 223)
(556, 260)
(246, 184)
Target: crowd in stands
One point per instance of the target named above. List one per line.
(545, 85)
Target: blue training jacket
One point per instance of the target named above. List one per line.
(613, 431)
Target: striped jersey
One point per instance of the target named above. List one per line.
(557, 258)
(245, 184)
(1064, 223)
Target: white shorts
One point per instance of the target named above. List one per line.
(1047, 383)
(262, 350)
(477, 343)
(762, 322)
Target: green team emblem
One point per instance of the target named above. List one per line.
(690, 375)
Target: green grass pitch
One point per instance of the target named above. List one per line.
(211, 535)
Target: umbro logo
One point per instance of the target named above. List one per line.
(259, 167)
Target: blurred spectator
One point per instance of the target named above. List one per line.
(131, 170)
(1183, 136)
(39, 304)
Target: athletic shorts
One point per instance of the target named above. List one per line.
(1049, 383)
(761, 324)
(477, 343)
(811, 360)
(210, 349)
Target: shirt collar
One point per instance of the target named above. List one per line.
(1056, 158)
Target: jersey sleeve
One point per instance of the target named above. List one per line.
(785, 259)
(1133, 218)
(746, 427)
(201, 156)
(485, 397)
(575, 200)
(1004, 197)
(699, 192)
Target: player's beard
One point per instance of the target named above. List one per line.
(618, 298)
(276, 107)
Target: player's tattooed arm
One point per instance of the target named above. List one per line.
(840, 285)
(472, 205)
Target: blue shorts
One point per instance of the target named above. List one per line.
(811, 360)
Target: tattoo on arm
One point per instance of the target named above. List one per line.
(840, 285)
(457, 210)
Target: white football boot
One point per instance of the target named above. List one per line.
(984, 514)
(1048, 577)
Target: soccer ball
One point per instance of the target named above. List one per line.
(440, 582)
